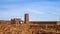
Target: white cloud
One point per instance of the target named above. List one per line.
(34, 11)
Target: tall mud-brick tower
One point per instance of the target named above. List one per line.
(26, 24)
(26, 19)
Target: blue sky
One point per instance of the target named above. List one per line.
(39, 10)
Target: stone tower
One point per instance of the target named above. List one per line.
(26, 19)
(25, 29)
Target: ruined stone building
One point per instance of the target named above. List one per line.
(18, 26)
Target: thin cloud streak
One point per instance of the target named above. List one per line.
(34, 11)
